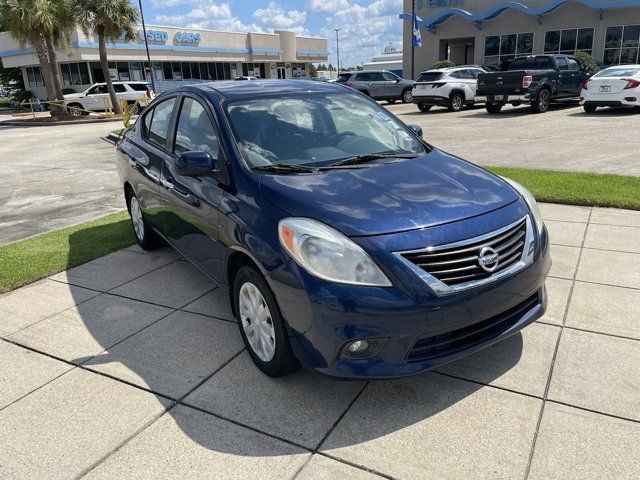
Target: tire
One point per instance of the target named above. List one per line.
(146, 237)
(542, 102)
(407, 96)
(456, 102)
(590, 108)
(391, 101)
(493, 107)
(266, 340)
(423, 107)
(75, 110)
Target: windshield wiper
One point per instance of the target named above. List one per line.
(369, 158)
(284, 168)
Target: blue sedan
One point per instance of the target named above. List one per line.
(348, 244)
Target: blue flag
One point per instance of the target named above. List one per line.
(417, 38)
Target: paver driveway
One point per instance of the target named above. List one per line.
(131, 367)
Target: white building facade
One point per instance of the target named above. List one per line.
(177, 56)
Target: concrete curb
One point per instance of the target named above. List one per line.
(22, 123)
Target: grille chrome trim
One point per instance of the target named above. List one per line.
(441, 288)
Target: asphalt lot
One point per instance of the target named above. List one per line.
(55, 176)
(564, 138)
(131, 366)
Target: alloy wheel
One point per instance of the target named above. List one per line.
(136, 218)
(407, 96)
(257, 322)
(544, 100)
(456, 102)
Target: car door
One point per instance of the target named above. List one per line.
(391, 86)
(564, 77)
(146, 153)
(95, 99)
(191, 204)
(578, 75)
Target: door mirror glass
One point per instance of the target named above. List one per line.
(194, 164)
(417, 129)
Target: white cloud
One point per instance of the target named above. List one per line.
(275, 17)
(327, 6)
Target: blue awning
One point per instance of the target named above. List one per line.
(445, 15)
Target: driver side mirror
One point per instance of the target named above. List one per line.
(195, 164)
(417, 129)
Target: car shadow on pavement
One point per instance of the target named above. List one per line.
(199, 361)
(523, 111)
(608, 112)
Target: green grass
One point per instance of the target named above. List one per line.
(4, 104)
(38, 257)
(573, 188)
(34, 258)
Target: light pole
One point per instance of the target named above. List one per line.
(413, 25)
(337, 30)
(146, 46)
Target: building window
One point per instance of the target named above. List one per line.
(34, 76)
(622, 45)
(501, 48)
(569, 41)
(253, 70)
(297, 70)
(74, 74)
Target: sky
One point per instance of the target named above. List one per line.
(367, 26)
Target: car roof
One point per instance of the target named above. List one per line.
(257, 88)
(452, 69)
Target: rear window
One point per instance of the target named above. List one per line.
(343, 78)
(531, 63)
(429, 76)
(618, 72)
(139, 87)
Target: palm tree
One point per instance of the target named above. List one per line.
(57, 34)
(109, 20)
(33, 22)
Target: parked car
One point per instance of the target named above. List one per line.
(96, 97)
(379, 85)
(452, 87)
(346, 242)
(617, 86)
(537, 80)
(246, 78)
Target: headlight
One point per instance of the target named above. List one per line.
(326, 253)
(533, 205)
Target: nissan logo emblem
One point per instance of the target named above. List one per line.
(488, 259)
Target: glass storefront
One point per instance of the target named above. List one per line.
(569, 41)
(501, 48)
(622, 45)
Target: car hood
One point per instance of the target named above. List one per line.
(430, 190)
(72, 95)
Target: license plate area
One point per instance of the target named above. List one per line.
(605, 89)
(497, 97)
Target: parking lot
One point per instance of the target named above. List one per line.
(103, 381)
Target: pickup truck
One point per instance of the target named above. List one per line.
(537, 80)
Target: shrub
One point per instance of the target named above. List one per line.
(587, 61)
(23, 95)
(444, 64)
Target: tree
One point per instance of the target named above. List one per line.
(587, 61)
(312, 70)
(109, 20)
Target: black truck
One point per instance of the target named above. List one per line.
(538, 80)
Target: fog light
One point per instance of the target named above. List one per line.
(358, 347)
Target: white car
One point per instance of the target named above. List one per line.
(246, 78)
(617, 86)
(452, 87)
(96, 97)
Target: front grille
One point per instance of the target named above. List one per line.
(446, 343)
(461, 264)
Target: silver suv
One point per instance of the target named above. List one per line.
(379, 84)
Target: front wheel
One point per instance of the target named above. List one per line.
(75, 110)
(493, 107)
(407, 96)
(542, 103)
(391, 101)
(590, 108)
(261, 325)
(456, 102)
(423, 107)
(146, 237)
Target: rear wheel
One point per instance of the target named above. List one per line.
(456, 102)
(493, 107)
(542, 103)
(423, 107)
(261, 325)
(407, 96)
(589, 108)
(146, 237)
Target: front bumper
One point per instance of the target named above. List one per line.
(406, 318)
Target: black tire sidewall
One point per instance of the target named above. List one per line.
(423, 107)
(283, 360)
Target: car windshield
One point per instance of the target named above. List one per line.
(618, 72)
(316, 129)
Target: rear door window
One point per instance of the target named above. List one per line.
(138, 87)
(343, 78)
(158, 126)
(429, 76)
(119, 88)
(389, 77)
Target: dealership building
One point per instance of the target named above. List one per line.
(177, 56)
(492, 31)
